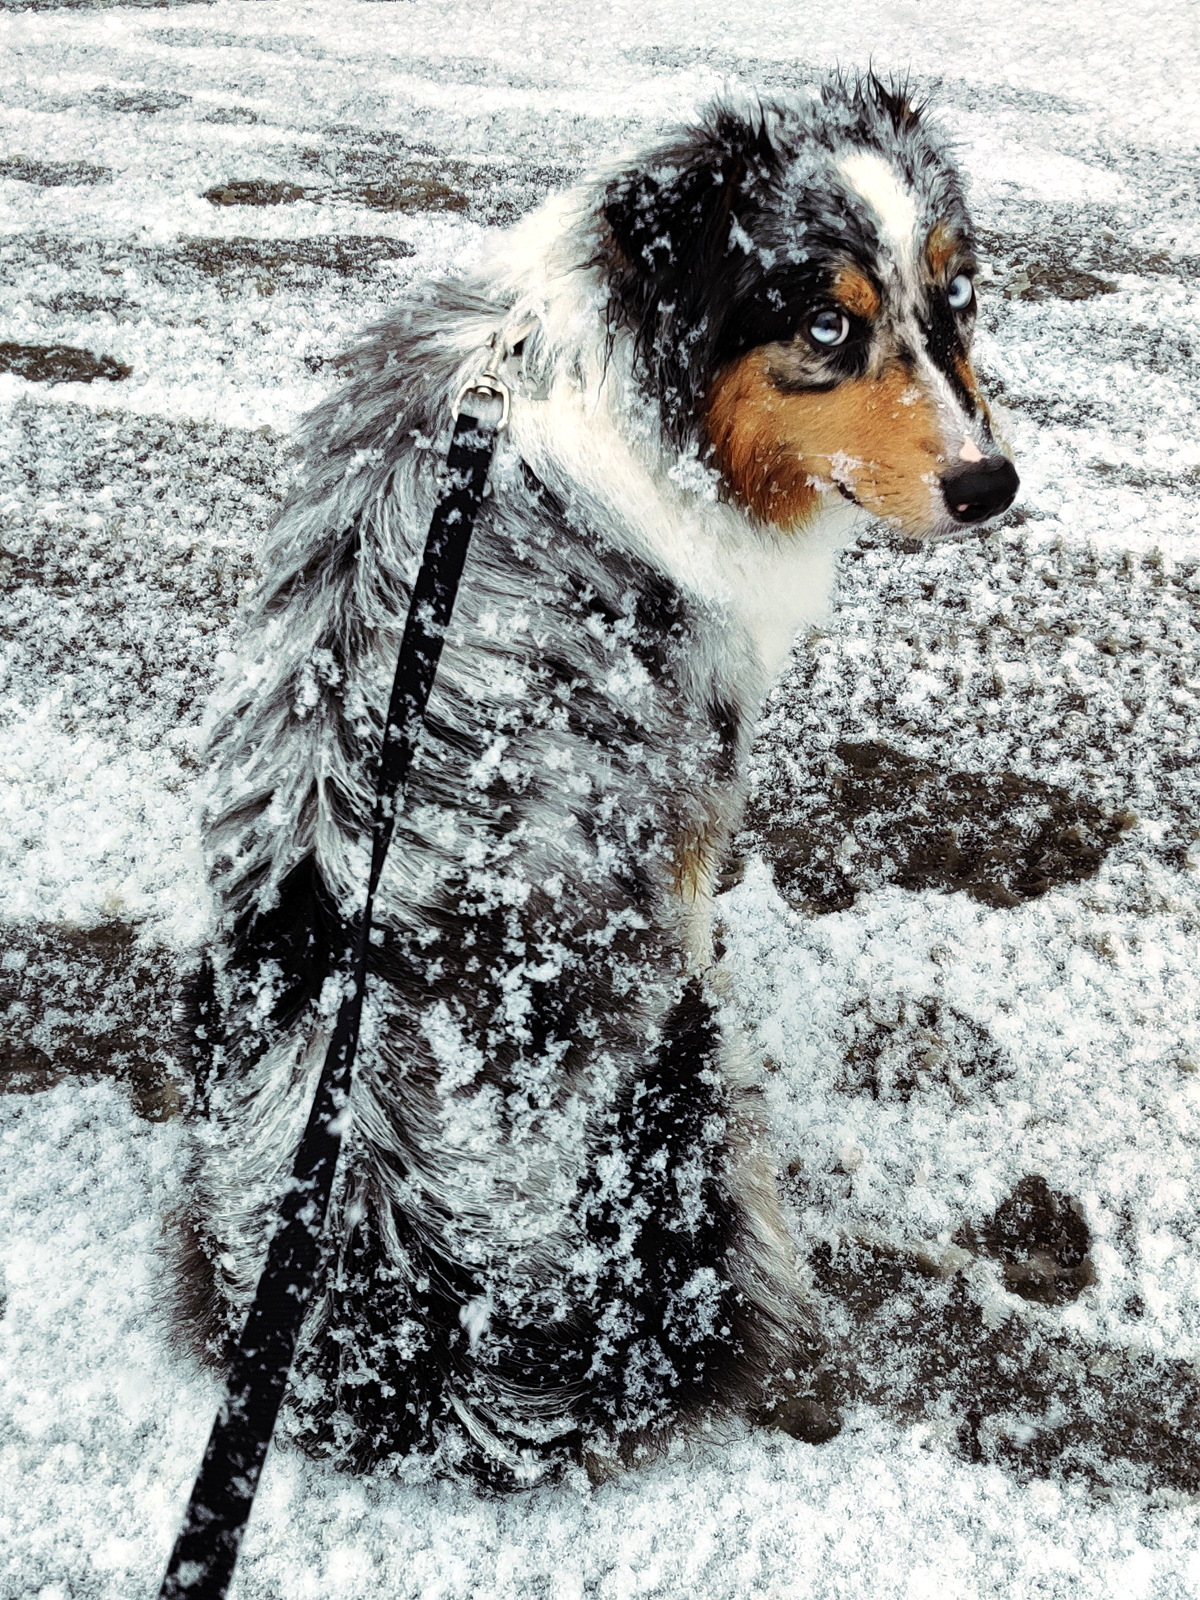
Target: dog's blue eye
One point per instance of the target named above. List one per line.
(829, 327)
(960, 293)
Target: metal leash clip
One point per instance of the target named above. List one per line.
(489, 383)
(505, 373)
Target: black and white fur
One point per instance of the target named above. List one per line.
(556, 1234)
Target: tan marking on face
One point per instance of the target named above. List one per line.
(967, 373)
(857, 293)
(940, 248)
(876, 437)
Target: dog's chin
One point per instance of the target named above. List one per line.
(911, 537)
(941, 530)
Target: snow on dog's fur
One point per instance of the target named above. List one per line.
(555, 1233)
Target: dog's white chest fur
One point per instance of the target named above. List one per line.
(773, 583)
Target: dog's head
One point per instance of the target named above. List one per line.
(800, 287)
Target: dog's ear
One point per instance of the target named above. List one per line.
(671, 265)
(894, 100)
(670, 219)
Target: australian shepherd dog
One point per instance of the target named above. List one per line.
(555, 1235)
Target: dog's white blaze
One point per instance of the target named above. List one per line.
(961, 434)
(881, 186)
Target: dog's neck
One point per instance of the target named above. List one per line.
(597, 439)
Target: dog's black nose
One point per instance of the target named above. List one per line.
(980, 489)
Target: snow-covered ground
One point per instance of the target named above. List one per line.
(945, 1017)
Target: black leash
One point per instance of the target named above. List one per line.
(202, 1562)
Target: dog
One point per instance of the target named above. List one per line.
(555, 1236)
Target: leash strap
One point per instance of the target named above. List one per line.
(202, 1562)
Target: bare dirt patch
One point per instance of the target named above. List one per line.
(940, 1342)
(88, 1003)
(875, 816)
(53, 174)
(60, 363)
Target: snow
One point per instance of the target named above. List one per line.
(103, 1435)
(1064, 649)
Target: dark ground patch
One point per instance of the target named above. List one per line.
(410, 189)
(1041, 1240)
(327, 261)
(347, 256)
(88, 1003)
(254, 192)
(139, 102)
(274, 43)
(897, 1047)
(60, 363)
(232, 116)
(1051, 280)
(407, 188)
(386, 171)
(1076, 252)
(924, 1342)
(53, 174)
(1069, 260)
(874, 816)
(78, 303)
